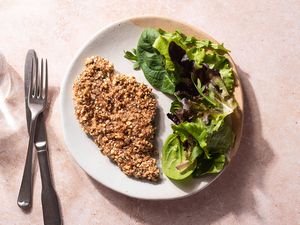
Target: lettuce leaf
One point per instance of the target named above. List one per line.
(173, 155)
(196, 129)
(221, 136)
(162, 44)
(132, 56)
(209, 166)
(227, 76)
(151, 62)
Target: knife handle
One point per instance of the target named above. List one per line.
(25, 193)
(51, 211)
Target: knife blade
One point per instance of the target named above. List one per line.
(30, 64)
(25, 193)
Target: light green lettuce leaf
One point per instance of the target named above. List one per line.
(161, 44)
(196, 129)
(227, 75)
(173, 155)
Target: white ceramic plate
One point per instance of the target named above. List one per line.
(110, 43)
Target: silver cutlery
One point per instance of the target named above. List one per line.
(36, 91)
(35, 104)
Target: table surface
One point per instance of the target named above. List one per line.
(262, 184)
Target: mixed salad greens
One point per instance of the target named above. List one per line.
(199, 76)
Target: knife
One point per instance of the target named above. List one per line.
(25, 193)
(51, 211)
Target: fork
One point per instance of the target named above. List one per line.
(37, 101)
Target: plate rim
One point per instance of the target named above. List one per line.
(87, 43)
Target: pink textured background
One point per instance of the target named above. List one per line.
(262, 184)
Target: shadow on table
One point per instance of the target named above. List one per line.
(231, 193)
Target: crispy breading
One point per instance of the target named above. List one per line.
(118, 112)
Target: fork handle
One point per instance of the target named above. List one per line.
(51, 211)
(25, 193)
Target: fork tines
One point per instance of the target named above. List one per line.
(38, 87)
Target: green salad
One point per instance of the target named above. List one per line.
(198, 74)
